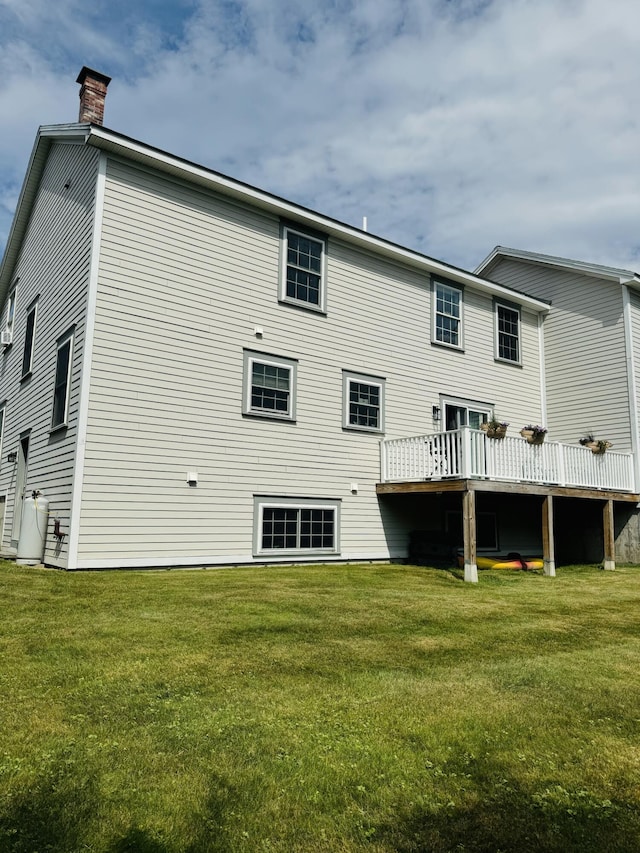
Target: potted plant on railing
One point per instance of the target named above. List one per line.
(533, 433)
(494, 428)
(597, 446)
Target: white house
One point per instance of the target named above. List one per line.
(196, 372)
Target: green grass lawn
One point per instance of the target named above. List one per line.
(377, 708)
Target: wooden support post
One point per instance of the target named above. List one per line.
(469, 535)
(609, 562)
(548, 542)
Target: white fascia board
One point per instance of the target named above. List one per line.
(622, 276)
(130, 149)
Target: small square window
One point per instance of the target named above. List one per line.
(269, 386)
(447, 314)
(507, 320)
(303, 273)
(363, 402)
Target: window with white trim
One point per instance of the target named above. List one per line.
(303, 269)
(62, 382)
(507, 320)
(11, 314)
(363, 402)
(29, 340)
(269, 386)
(296, 526)
(447, 314)
(459, 412)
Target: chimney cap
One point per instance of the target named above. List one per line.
(96, 75)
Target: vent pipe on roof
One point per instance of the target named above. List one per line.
(93, 91)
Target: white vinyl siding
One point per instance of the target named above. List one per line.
(584, 341)
(186, 277)
(52, 266)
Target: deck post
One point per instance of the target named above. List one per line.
(609, 562)
(469, 535)
(548, 542)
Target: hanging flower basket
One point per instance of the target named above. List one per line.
(533, 434)
(494, 428)
(597, 446)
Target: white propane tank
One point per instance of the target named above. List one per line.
(33, 530)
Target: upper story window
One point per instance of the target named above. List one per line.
(269, 386)
(363, 402)
(7, 331)
(303, 272)
(447, 314)
(29, 339)
(507, 319)
(62, 382)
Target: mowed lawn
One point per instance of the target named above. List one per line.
(357, 708)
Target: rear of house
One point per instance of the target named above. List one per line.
(201, 373)
(246, 363)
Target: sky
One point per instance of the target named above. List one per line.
(452, 125)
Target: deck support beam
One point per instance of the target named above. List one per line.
(548, 541)
(609, 562)
(469, 535)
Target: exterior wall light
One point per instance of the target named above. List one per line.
(437, 414)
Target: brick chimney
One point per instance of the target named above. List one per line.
(93, 91)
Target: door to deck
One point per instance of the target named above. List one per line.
(459, 416)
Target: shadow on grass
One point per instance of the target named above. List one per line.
(51, 814)
(59, 812)
(510, 819)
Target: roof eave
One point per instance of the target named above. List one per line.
(616, 274)
(115, 143)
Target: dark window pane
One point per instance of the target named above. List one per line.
(61, 384)
(28, 342)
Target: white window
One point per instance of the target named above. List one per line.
(29, 340)
(269, 386)
(296, 526)
(303, 269)
(507, 336)
(447, 314)
(11, 314)
(62, 382)
(363, 402)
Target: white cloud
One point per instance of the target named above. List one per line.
(452, 125)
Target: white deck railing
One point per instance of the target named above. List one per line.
(468, 453)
